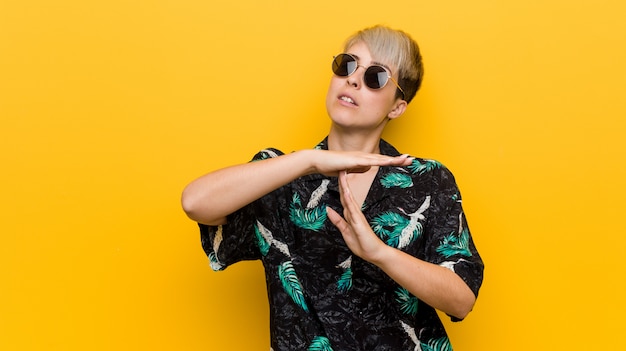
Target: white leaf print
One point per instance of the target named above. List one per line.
(411, 332)
(450, 264)
(406, 235)
(346, 264)
(270, 152)
(316, 196)
(217, 241)
(267, 235)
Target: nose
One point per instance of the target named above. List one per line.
(356, 78)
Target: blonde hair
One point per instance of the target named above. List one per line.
(396, 48)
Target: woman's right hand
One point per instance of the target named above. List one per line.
(330, 163)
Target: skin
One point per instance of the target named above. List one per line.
(358, 117)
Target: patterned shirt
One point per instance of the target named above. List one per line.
(323, 297)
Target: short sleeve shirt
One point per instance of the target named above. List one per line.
(323, 297)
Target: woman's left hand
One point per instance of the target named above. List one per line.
(356, 231)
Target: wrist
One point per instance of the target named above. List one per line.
(309, 165)
(382, 256)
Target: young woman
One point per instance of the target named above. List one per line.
(360, 244)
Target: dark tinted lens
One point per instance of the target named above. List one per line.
(344, 65)
(375, 77)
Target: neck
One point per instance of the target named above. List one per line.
(339, 140)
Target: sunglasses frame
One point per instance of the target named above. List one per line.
(389, 77)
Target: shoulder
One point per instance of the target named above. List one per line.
(267, 153)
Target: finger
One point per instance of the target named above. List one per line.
(402, 160)
(337, 220)
(352, 211)
(344, 190)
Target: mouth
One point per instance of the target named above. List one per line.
(347, 99)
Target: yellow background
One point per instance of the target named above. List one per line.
(108, 108)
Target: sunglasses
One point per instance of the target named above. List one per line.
(375, 76)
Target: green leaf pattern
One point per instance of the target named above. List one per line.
(307, 218)
(320, 343)
(389, 226)
(263, 242)
(396, 180)
(408, 303)
(423, 166)
(291, 284)
(455, 244)
(441, 344)
(344, 283)
(398, 231)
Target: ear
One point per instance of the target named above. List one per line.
(398, 109)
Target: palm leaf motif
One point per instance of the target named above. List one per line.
(414, 228)
(291, 284)
(344, 283)
(455, 245)
(214, 263)
(388, 226)
(320, 343)
(410, 331)
(306, 218)
(423, 166)
(316, 195)
(265, 154)
(263, 238)
(441, 344)
(408, 302)
(396, 180)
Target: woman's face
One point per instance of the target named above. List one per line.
(351, 104)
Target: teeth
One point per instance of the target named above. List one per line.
(347, 99)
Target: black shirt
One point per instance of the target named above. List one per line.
(321, 296)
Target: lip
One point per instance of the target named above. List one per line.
(342, 100)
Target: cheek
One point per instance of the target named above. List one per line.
(333, 87)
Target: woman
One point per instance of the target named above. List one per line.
(360, 243)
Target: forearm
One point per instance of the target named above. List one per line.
(437, 286)
(210, 198)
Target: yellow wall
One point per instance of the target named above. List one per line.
(108, 108)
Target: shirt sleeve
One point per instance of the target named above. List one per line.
(449, 242)
(236, 240)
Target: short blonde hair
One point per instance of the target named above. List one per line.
(396, 48)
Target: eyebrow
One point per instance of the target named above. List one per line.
(373, 62)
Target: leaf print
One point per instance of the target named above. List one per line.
(217, 240)
(411, 333)
(388, 226)
(441, 344)
(214, 263)
(344, 283)
(408, 302)
(263, 238)
(291, 284)
(450, 264)
(265, 154)
(317, 194)
(396, 180)
(309, 218)
(414, 228)
(455, 245)
(320, 343)
(424, 166)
